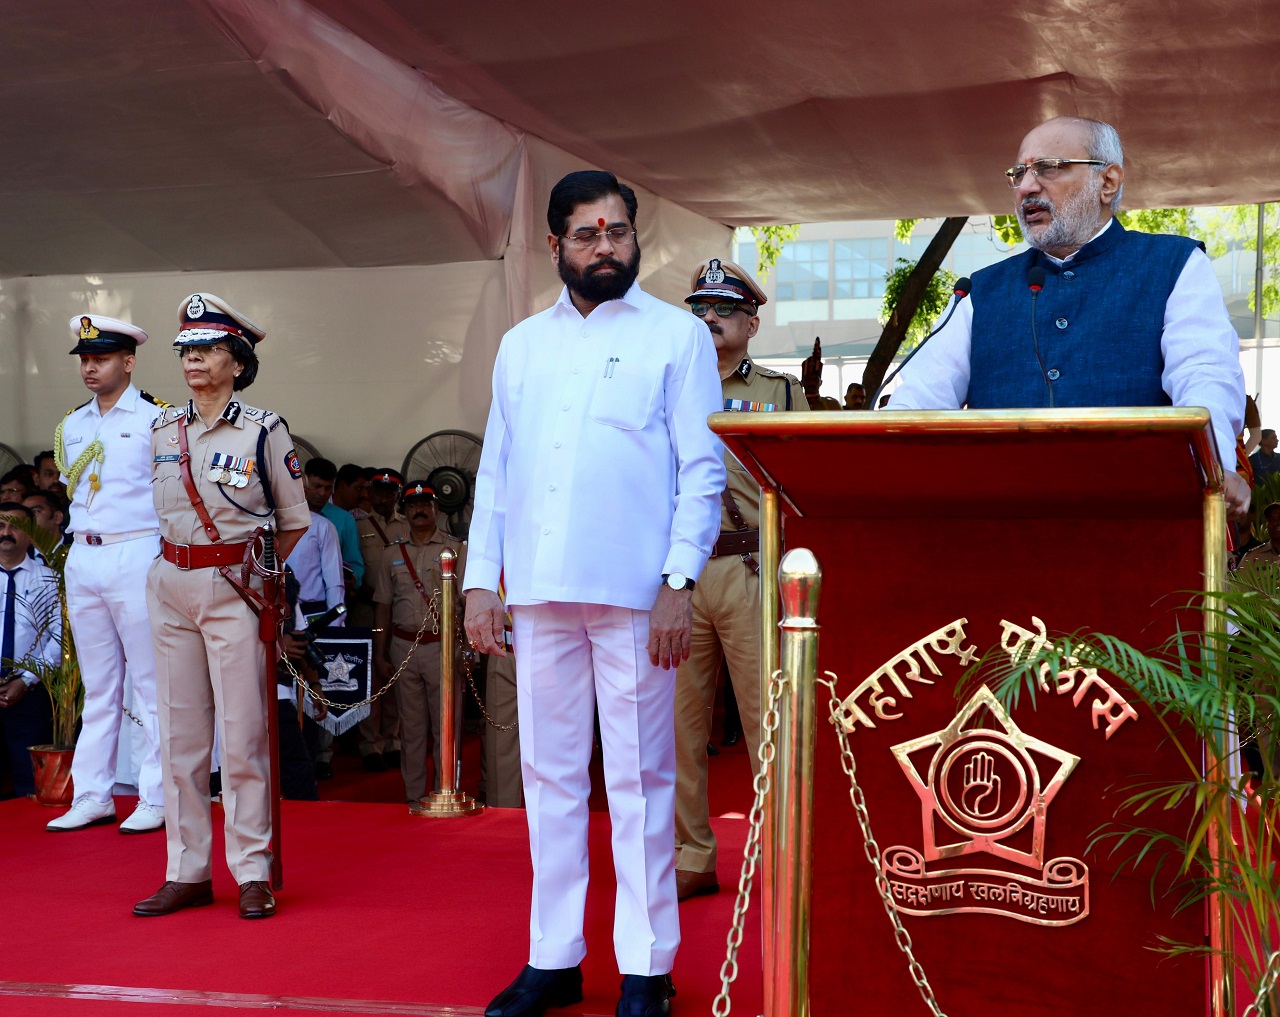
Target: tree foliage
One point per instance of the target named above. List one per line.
(936, 294)
(770, 240)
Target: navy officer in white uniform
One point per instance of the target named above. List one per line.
(103, 453)
(599, 496)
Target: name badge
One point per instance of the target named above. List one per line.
(167, 459)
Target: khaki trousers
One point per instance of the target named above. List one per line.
(500, 783)
(209, 666)
(726, 627)
(418, 697)
(380, 731)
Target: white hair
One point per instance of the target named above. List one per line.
(1104, 145)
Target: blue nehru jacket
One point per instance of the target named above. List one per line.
(1098, 319)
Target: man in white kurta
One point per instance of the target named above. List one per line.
(598, 496)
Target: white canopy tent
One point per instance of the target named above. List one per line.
(368, 178)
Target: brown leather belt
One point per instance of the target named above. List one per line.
(202, 556)
(736, 542)
(409, 636)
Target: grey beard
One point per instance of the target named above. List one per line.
(1074, 223)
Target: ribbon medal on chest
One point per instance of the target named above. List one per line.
(229, 470)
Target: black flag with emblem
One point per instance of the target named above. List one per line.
(347, 676)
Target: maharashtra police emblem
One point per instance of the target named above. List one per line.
(347, 679)
(195, 306)
(715, 274)
(985, 787)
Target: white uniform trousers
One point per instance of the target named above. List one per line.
(569, 659)
(107, 604)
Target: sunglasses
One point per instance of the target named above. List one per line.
(723, 308)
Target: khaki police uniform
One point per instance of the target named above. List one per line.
(726, 626)
(380, 731)
(209, 658)
(418, 689)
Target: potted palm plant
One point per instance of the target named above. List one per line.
(1222, 685)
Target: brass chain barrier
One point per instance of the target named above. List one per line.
(469, 657)
(1266, 987)
(750, 851)
(872, 851)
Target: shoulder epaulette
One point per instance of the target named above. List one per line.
(80, 407)
(153, 400)
(264, 418)
(167, 416)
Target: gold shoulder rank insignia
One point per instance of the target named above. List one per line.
(154, 401)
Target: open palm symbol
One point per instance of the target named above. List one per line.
(980, 796)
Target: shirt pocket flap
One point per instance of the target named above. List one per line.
(624, 399)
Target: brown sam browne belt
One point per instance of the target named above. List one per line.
(736, 542)
(202, 556)
(409, 636)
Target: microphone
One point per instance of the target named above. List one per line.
(1035, 282)
(960, 291)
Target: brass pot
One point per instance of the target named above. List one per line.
(52, 774)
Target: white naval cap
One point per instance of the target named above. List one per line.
(96, 333)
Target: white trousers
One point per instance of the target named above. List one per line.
(107, 604)
(569, 659)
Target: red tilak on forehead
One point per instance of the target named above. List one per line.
(601, 222)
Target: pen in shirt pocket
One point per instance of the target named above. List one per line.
(609, 365)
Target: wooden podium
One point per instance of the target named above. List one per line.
(942, 537)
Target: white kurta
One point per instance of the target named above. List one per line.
(598, 475)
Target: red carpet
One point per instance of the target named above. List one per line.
(411, 916)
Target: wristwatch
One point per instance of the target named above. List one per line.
(678, 581)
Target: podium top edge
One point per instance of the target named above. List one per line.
(1142, 419)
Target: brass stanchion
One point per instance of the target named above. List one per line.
(770, 560)
(448, 801)
(791, 850)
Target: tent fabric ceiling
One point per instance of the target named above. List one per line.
(149, 135)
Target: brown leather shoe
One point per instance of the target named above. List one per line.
(695, 884)
(256, 900)
(174, 897)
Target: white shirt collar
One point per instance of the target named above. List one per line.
(634, 297)
(128, 401)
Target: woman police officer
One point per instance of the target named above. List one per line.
(223, 470)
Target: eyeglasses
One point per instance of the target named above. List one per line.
(723, 308)
(185, 351)
(1046, 169)
(619, 236)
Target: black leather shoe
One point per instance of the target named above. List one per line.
(392, 759)
(536, 990)
(731, 738)
(324, 771)
(646, 996)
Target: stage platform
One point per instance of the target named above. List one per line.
(382, 913)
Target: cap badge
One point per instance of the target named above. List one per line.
(715, 274)
(87, 329)
(195, 306)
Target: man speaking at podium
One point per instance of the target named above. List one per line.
(1093, 314)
